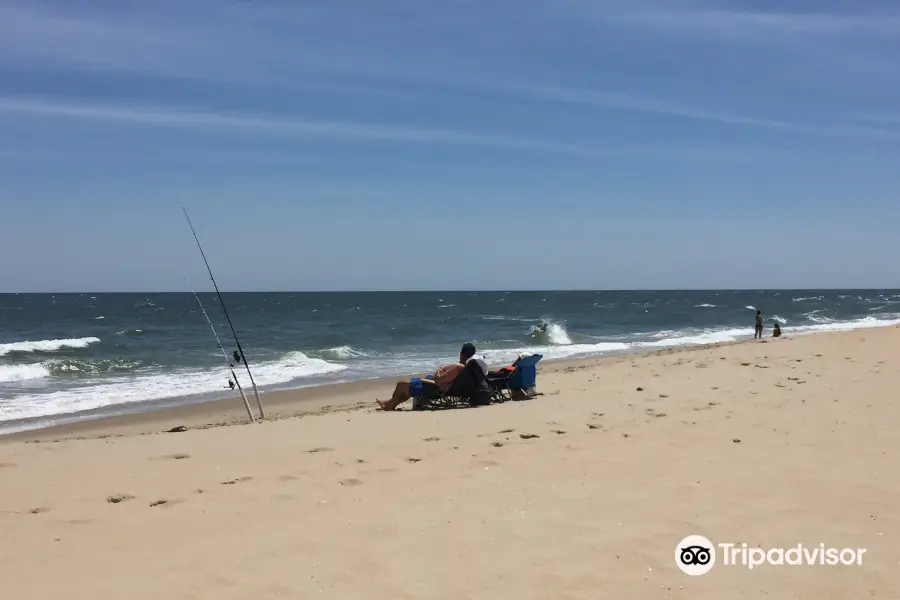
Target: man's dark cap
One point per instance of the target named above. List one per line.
(468, 350)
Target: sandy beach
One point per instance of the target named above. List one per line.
(582, 492)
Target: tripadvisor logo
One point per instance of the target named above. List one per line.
(697, 555)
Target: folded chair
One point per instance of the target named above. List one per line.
(521, 379)
(468, 389)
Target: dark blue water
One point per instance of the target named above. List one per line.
(69, 353)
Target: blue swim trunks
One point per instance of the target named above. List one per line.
(421, 389)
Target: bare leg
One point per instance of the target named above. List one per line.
(401, 394)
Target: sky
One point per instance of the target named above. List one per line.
(452, 144)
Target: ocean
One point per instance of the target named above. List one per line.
(65, 357)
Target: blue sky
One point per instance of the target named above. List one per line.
(451, 144)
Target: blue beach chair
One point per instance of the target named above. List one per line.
(521, 380)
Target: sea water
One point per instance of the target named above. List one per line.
(70, 356)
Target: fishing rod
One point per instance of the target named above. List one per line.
(240, 350)
(234, 379)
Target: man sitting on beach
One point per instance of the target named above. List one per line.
(443, 379)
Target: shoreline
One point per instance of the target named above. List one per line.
(189, 403)
(293, 402)
(287, 402)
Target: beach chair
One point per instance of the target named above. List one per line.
(521, 380)
(468, 389)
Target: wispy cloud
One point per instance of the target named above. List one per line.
(747, 25)
(855, 40)
(242, 44)
(217, 122)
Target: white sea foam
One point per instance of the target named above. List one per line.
(815, 317)
(750, 307)
(131, 389)
(98, 318)
(47, 345)
(550, 333)
(495, 356)
(692, 338)
(781, 320)
(10, 373)
(340, 353)
(802, 299)
(705, 305)
(864, 323)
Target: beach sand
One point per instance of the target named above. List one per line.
(583, 492)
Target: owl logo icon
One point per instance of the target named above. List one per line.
(695, 555)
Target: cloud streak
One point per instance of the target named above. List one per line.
(239, 48)
(295, 127)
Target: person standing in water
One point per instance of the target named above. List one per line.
(758, 330)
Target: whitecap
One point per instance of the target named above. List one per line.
(47, 345)
(160, 386)
(22, 372)
(340, 353)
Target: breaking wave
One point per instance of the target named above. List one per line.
(10, 373)
(705, 305)
(550, 333)
(339, 353)
(129, 389)
(47, 345)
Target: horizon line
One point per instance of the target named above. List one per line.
(460, 291)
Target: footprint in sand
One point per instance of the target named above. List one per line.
(119, 498)
(592, 426)
(528, 436)
(238, 480)
(164, 501)
(413, 460)
(431, 439)
(351, 482)
(506, 431)
(558, 431)
(496, 444)
(287, 478)
(323, 449)
(173, 457)
(7, 465)
(39, 510)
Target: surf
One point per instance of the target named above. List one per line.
(47, 345)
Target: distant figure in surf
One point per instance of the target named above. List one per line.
(776, 331)
(237, 357)
(759, 326)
